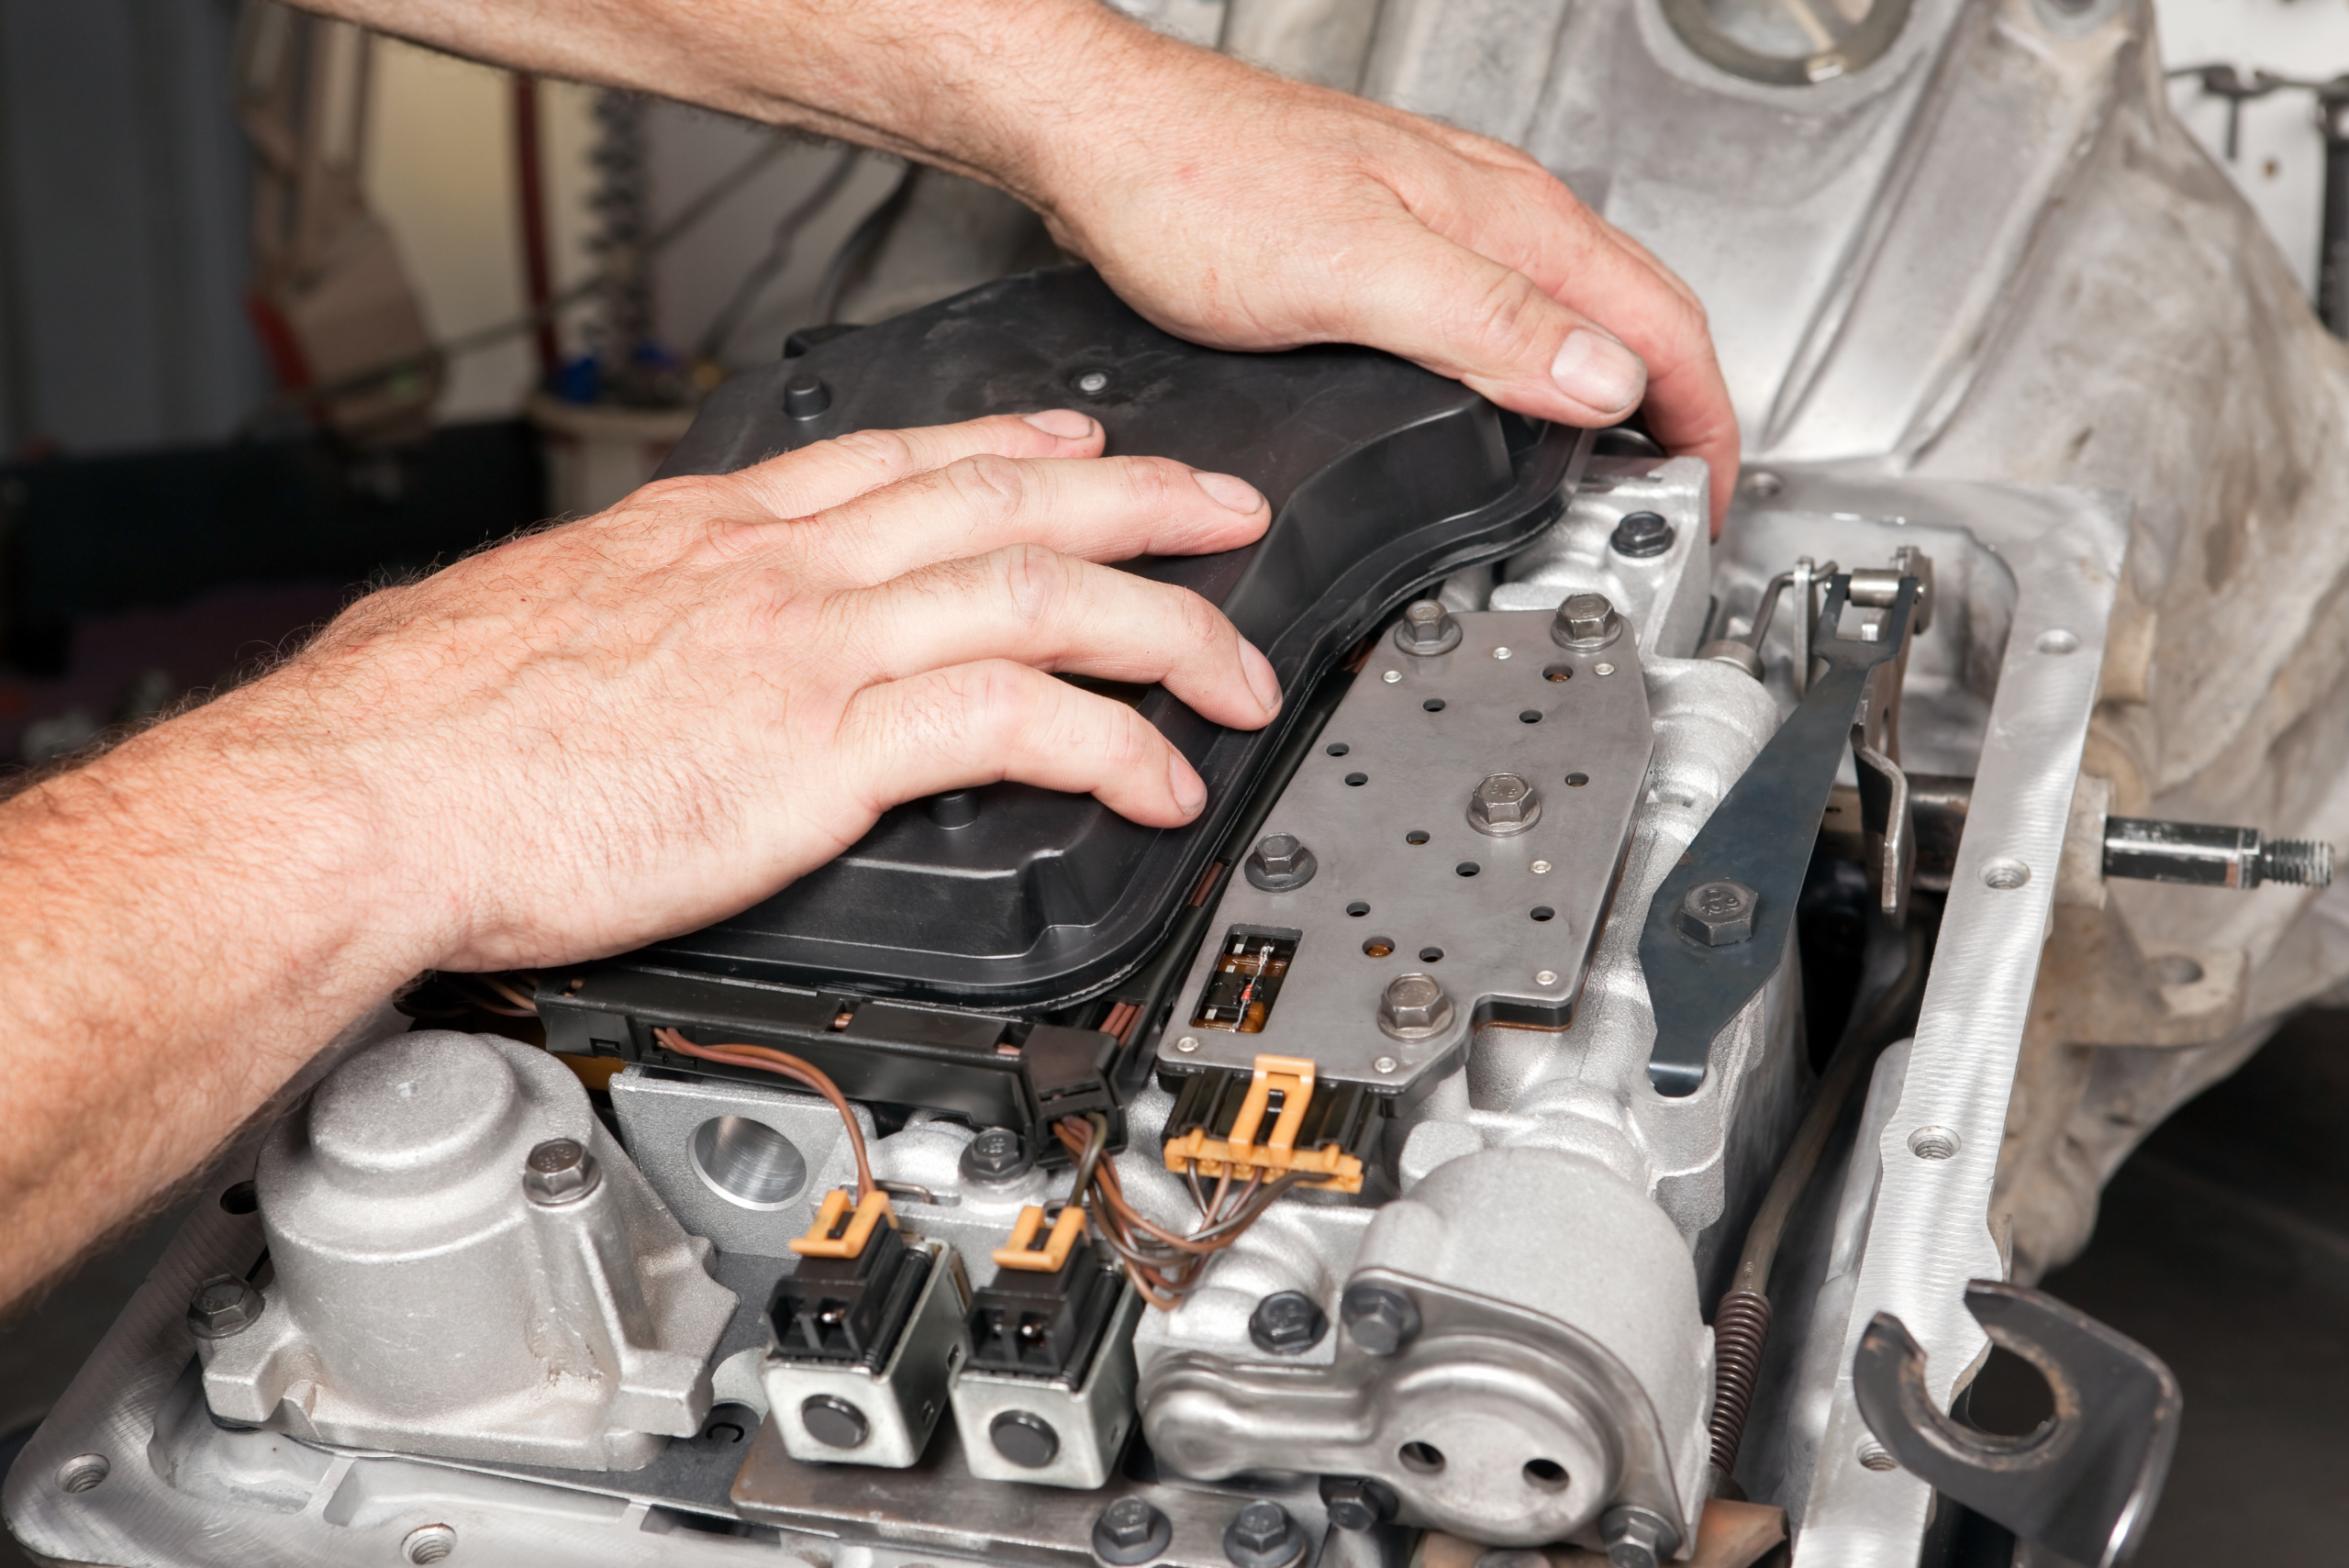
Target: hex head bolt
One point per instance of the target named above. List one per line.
(1279, 862)
(1637, 1538)
(1427, 627)
(1130, 1531)
(997, 1154)
(1586, 623)
(1504, 803)
(558, 1172)
(223, 1305)
(1287, 1323)
(1381, 1318)
(1355, 1502)
(1719, 914)
(1641, 535)
(1413, 1007)
(1261, 1534)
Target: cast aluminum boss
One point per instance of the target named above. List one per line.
(463, 1263)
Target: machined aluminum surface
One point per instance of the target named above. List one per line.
(1503, 916)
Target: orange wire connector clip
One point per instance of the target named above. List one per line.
(838, 1233)
(1242, 1156)
(1040, 1253)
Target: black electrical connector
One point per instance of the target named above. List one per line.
(1046, 1324)
(849, 1309)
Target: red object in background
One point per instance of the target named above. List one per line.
(529, 180)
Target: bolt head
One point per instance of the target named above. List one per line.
(997, 1154)
(1381, 1318)
(1637, 1538)
(1130, 1531)
(1287, 1323)
(1427, 627)
(1718, 914)
(1356, 1503)
(559, 1171)
(1263, 1536)
(1641, 535)
(1504, 803)
(1413, 1006)
(1279, 862)
(1587, 620)
(223, 1305)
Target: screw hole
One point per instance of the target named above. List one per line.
(1433, 705)
(1560, 673)
(2059, 641)
(429, 1544)
(1337, 747)
(1422, 1459)
(2006, 875)
(1467, 868)
(1575, 781)
(1378, 947)
(1873, 1457)
(1416, 835)
(1431, 955)
(242, 1198)
(1546, 1474)
(1933, 1143)
(1530, 715)
(82, 1471)
(2176, 969)
(1357, 780)
(1357, 908)
(1544, 912)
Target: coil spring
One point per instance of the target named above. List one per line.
(1740, 1329)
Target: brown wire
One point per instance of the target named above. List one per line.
(766, 1059)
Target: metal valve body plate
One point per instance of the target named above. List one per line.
(1504, 922)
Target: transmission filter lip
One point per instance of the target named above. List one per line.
(1382, 477)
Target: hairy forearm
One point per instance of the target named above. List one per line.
(183, 923)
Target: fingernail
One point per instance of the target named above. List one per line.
(1261, 679)
(1066, 423)
(1228, 491)
(1189, 793)
(1594, 369)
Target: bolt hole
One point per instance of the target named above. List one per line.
(1433, 705)
(1337, 747)
(242, 1198)
(82, 1471)
(1416, 835)
(2006, 875)
(429, 1544)
(2059, 641)
(1560, 673)
(1575, 781)
(1357, 780)
(1431, 955)
(1530, 715)
(1357, 908)
(1933, 1143)
(1467, 868)
(1379, 947)
(2176, 969)
(1544, 912)
(1545, 1474)
(1873, 1457)
(1421, 1459)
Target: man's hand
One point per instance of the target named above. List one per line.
(580, 742)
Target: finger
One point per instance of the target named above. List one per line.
(1100, 508)
(1056, 612)
(799, 484)
(976, 724)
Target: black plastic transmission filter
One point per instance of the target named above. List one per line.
(1382, 477)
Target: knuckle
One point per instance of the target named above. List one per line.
(1508, 319)
(1034, 578)
(886, 453)
(1155, 482)
(993, 488)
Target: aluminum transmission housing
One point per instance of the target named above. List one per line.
(420, 1301)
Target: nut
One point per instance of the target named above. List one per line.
(1356, 1502)
(1279, 862)
(1719, 914)
(1586, 622)
(1381, 1318)
(1504, 803)
(559, 1171)
(1427, 627)
(1129, 1531)
(1413, 1007)
(223, 1305)
(1637, 1538)
(1287, 1323)
(1263, 1536)
(997, 1154)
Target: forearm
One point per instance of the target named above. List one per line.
(184, 923)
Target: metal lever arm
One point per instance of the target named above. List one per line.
(2085, 1483)
(1759, 837)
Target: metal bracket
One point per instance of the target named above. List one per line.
(1759, 836)
(2085, 1483)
